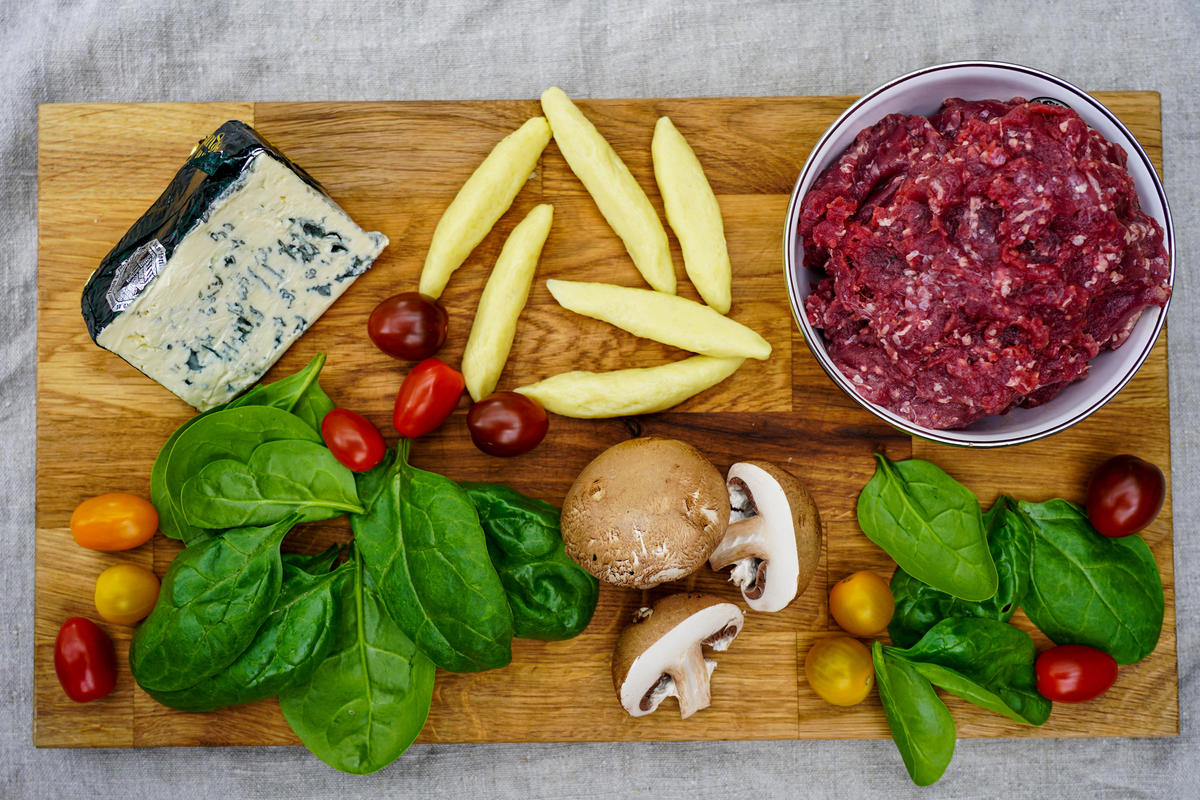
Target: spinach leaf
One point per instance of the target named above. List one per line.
(299, 391)
(368, 699)
(983, 661)
(919, 606)
(280, 478)
(551, 597)
(317, 564)
(230, 433)
(313, 405)
(421, 541)
(171, 521)
(921, 725)
(214, 598)
(1088, 589)
(522, 527)
(930, 524)
(290, 645)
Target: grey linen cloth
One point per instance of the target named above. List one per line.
(154, 50)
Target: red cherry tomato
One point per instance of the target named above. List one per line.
(507, 424)
(1124, 495)
(427, 396)
(352, 439)
(408, 325)
(85, 660)
(1074, 673)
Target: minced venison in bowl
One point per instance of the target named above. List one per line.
(977, 259)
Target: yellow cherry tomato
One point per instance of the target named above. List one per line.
(839, 669)
(126, 593)
(114, 521)
(862, 604)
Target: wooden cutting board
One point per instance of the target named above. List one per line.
(394, 168)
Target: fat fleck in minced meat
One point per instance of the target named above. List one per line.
(977, 259)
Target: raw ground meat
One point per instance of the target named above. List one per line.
(978, 259)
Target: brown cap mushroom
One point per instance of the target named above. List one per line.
(644, 512)
(659, 655)
(774, 536)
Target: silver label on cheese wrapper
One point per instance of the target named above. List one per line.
(135, 274)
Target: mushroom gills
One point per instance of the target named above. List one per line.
(721, 640)
(750, 574)
(694, 693)
(741, 501)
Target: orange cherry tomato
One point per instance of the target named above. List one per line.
(862, 604)
(115, 521)
(126, 593)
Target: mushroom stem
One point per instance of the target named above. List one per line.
(690, 675)
(743, 539)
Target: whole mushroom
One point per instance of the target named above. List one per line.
(644, 512)
(660, 656)
(773, 541)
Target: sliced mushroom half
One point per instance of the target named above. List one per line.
(659, 656)
(773, 540)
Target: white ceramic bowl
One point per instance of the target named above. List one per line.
(922, 92)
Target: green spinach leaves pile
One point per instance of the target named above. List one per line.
(438, 574)
(962, 575)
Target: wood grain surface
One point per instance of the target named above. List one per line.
(394, 167)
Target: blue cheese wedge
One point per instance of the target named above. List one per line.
(209, 310)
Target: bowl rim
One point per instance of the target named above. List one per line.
(793, 270)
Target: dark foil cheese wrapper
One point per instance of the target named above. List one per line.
(215, 163)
